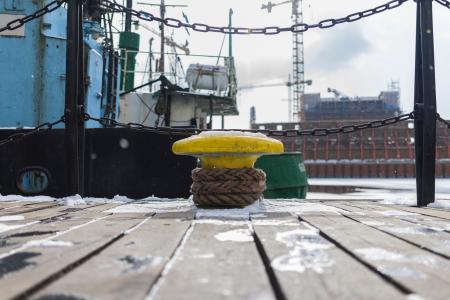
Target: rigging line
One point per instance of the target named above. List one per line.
(148, 113)
(221, 47)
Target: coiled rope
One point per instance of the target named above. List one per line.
(227, 187)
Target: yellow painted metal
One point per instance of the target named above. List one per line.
(232, 151)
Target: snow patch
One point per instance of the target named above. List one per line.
(393, 213)
(232, 133)
(18, 198)
(380, 254)
(373, 223)
(294, 206)
(48, 243)
(413, 230)
(72, 200)
(157, 206)
(236, 235)
(221, 222)
(440, 204)
(257, 207)
(130, 208)
(414, 297)
(12, 218)
(274, 222)
(308, 251)
(5, 227)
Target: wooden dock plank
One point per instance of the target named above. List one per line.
(215, 262)
(432, 238)
(18, 210)
(10, 204)
(48, 226)
(310, 267)
(409, 267)
(126, 269)
(411, 214)
(39, 263)
(438, 213)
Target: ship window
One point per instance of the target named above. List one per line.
(262, 127)
(279, 127)
(297, 127)
(32, 180)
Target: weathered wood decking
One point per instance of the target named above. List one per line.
(290, 250)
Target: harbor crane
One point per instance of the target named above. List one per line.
(296, 107)
(289, 85)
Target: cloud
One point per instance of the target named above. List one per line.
(251, 72)
(337, 49)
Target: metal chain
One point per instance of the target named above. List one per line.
(14, 24)
(442, 120)
(444, 3)
(42, 127)
(302, 27)
(286, 133)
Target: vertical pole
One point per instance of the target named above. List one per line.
(429, 103)
(223, 121)
(161, 60)
(211, 112)
(418, 105)
(73, 94)
(128, 16)
(80, 102)
(230, 36)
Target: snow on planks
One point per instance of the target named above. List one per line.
(308, 266)
(425, 232)
(35, 264)
(42, 226)
(407, 266)
(333, 252)
(127, 268)
(216, 261)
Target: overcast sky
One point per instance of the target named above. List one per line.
(358, 59)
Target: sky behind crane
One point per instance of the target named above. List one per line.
(358, 59)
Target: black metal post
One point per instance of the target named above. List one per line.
(74, 80)
(128, 16)
(81, 101)
(418, 107)
(211, 112)
(429, 103)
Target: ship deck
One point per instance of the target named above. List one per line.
(170, 250)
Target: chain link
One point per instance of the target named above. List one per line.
(17, 23)
(302, 27)
(280, 133)
(444, 3)
(442, 120)
(42, 127)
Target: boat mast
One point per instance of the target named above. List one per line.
(161, 27)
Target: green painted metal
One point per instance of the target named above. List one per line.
(286, 175)
(129, 41)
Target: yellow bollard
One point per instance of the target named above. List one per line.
(227, 177)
